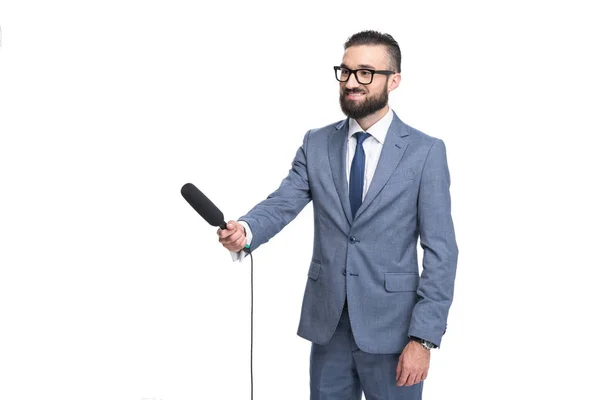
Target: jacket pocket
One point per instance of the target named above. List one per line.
(313, 271)
(401, 282)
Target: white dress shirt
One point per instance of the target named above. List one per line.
(372, 146)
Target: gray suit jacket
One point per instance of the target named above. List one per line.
(371, 259)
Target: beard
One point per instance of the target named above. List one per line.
(368, 106)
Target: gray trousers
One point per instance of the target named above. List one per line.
(339, 370)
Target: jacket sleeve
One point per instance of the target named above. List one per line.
(271, 215)
(440, 251)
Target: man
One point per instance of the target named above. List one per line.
(371, 318)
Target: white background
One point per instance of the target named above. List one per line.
(112, 287)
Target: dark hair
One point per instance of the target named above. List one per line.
(373, 38)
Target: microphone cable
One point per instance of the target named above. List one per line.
(251, 320)
(251, 323)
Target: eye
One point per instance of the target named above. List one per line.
(364, 73)
(344, 72)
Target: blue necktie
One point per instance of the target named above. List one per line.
(357, 173)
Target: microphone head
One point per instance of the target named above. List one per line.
(202, 205)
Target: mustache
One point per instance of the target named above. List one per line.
(356, 90)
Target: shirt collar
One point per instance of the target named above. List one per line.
(378, 130)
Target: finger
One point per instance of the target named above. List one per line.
(226, 241)
(232, 245)
(410, 380)
(414, 378)
(239, 244)
(418, 377)
(223, 233)
(403, 377)
(237, 232)
(242, 242)
(229, 227)
(235, 236)
(399, 368)
(236, 245)
(233, 225)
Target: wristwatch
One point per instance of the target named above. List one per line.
(425, 343)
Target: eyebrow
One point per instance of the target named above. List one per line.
(359, 66)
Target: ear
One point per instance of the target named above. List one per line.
(393, 82)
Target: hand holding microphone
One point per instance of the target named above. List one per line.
(234, 237)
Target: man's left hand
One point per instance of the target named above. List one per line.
(413, 364)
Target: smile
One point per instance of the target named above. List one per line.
(354, 96)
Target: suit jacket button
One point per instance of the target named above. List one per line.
(352, 239)
(344, 272)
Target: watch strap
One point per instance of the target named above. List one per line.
(425, 343)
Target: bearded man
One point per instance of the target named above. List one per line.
(377, 186)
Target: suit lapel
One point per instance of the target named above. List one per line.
(338, 143)
(396, 142)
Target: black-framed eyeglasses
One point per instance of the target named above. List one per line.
(363, 76)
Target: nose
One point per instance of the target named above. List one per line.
(352, 83)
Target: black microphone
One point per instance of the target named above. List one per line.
(203, 205)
